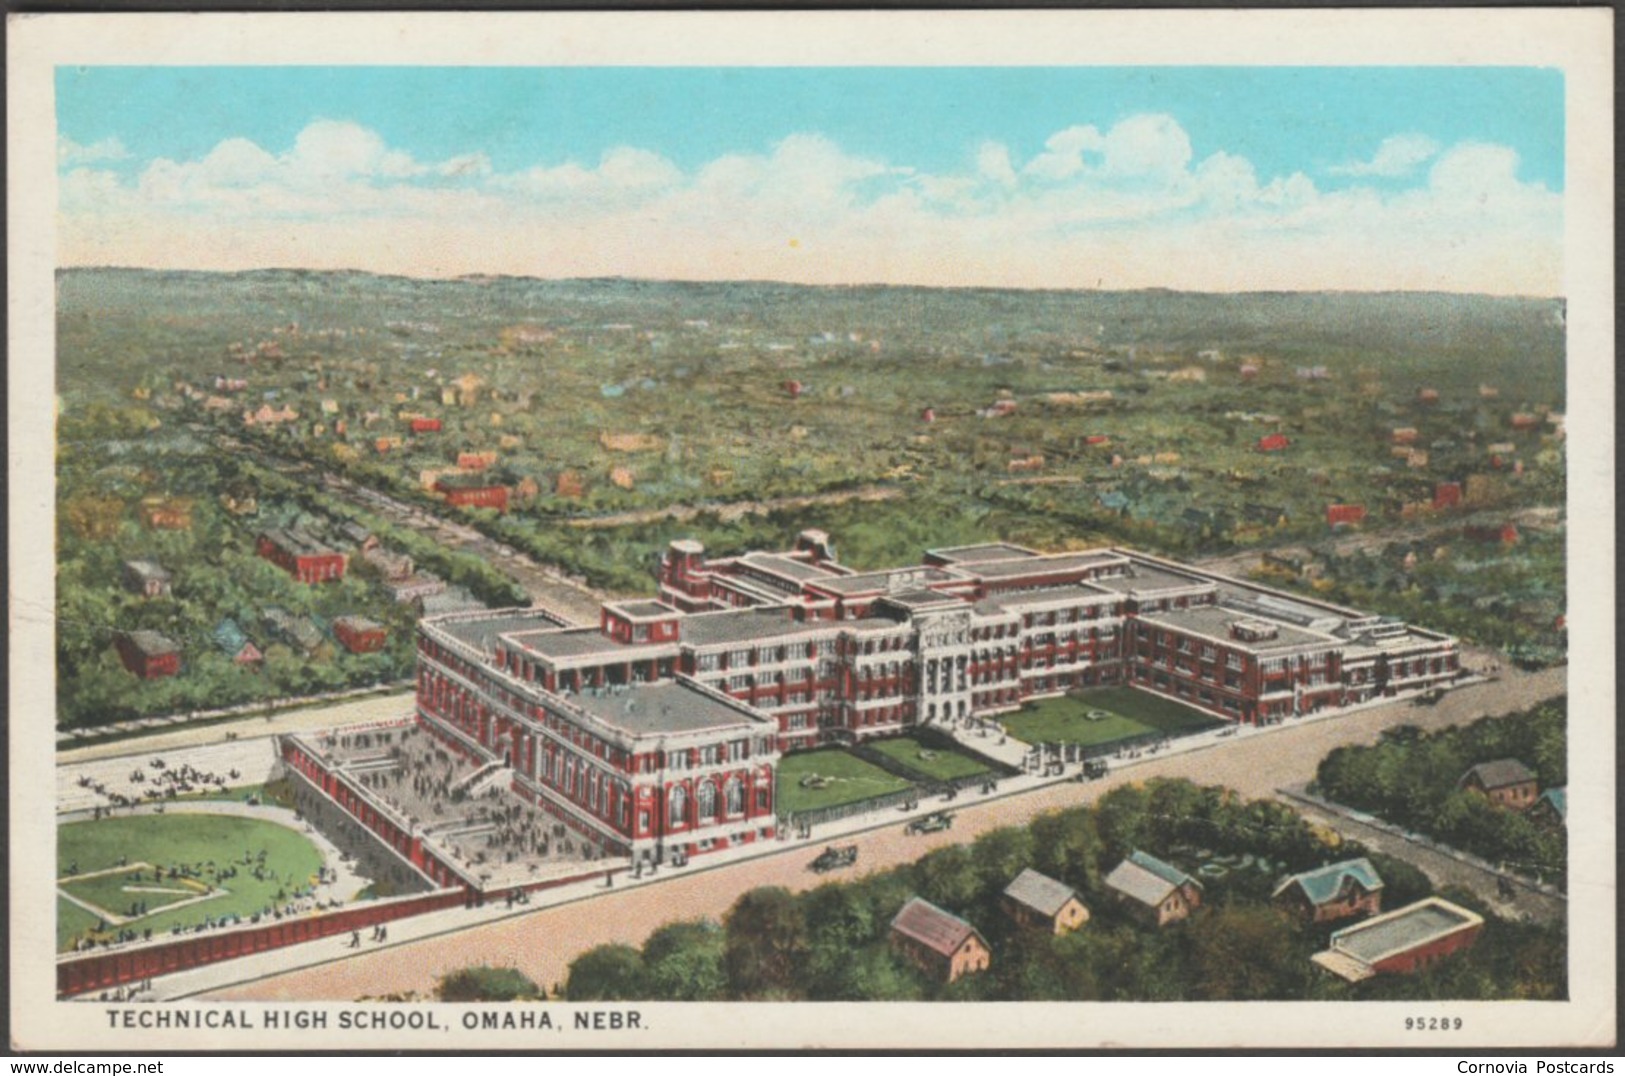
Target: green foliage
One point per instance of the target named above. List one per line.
(833, 942)
(1412, 778)
(485, 983)
(607, 973)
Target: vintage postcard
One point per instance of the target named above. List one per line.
(937, 530)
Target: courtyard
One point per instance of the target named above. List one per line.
(1104, 716)
(830, 777)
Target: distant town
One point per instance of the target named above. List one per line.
(456, 601)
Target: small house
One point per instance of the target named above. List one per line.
(1551, 809)
(1446, 495)
(1505, 782)
(148, 654)
(359, 635)
(358, 537)
(1153, 890)
(1036, 900)
(388, 564)
(476, 461)
(1404, 435)
(1490, 534)
(1427, 396)
(1273, 442)
(1335, 891)
(230, 639)
(569, 484)
(425, 425)
(147, 578)
(299, 632)
(944, 946)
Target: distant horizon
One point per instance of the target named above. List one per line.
(471, 277)
(1193, 178)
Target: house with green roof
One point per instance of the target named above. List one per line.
(232, 641)
(1552, 809)
(1157, 892)
(1335, 891)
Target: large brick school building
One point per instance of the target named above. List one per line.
(658, 730)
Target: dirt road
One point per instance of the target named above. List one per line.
(542, 945)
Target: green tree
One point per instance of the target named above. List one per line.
(684, 962)
(766, 944)
(607, 973)
(485, 983)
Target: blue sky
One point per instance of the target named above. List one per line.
(1246, 151)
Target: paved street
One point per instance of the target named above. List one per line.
(1441, 868)
(543, 942)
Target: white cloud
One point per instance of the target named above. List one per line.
(1128, 207)
(70, 153)
(1398, 155)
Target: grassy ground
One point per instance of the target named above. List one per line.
(1131, 713)
(939, 763)
(851, 779)
(116, 892)
(184, 839)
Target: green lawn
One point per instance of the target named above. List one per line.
(169, 840)
(116, 892)
(944, 764)
(850, 779)
(1131, 713)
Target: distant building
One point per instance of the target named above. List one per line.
(944, 946)
(1153, 890)
(426, 425)
(1506, 782)
(299, 632)
(1504, 533)
(1552, 809)
(1037, 900)
(476, 461)
(414, 588)
(359, 635)
(391, 566)
(1523, 421)
(301, 555)
(1404, 435)
(1446, 495)
(471, 491)
(161, 513)
(1344, 515)
(1400, 942)
(1427, 396)
(1335, 891)
(147, 578)
(148, 654)
(358, 537)
(569, 485)
(1273, 442)
(230, 639)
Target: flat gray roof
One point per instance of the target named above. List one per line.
(1079, 592)
(644, 609)
(1405, 929)
(881, 581)
(790, 568)
(1045, 565)
(1144, 579)
(482, 632)
(1215, 621)
(580, 642)
(975, 554)
(747, 625)
(669, 706)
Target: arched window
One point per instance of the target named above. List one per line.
(676, 805)
(708, 800)
(734, 796)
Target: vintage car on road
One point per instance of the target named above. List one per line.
(834, 857)
(931, 823)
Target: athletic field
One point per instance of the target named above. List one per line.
(173, 865)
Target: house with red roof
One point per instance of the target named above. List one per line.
(943, 945)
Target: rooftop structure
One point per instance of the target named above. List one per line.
(1401, 941)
